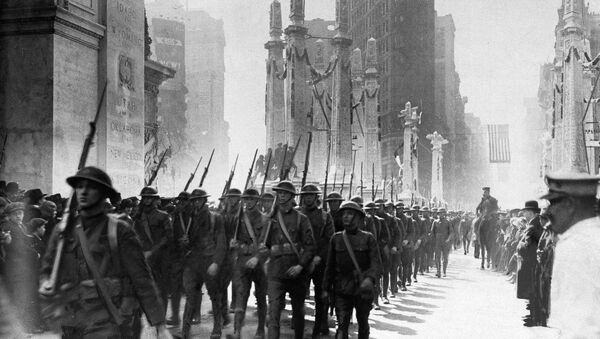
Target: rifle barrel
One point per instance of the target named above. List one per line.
(262, 189)
(251, 170)
(206, 168)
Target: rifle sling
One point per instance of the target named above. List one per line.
(285, 232)
(351, 253)
(112, 309)
(249, 228)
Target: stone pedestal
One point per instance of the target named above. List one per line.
(437, 168)
(57, 59)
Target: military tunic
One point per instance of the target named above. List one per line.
(342, 277)
(281, 258)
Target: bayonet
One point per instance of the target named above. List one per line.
(206, 168)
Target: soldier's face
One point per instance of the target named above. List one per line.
(199, 203)
(148, 201)
(283, 197)
(249, 203)
(89, 194)
(334, 205)
(347, 218)
(309, 199)
(233, 201)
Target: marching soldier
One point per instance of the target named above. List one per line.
(290, 246)
(182, 212)
(441, 234)
(427, 244)
(230, 213)
(389, 234)
(206, 247)
(155, 231)
(420, 233)
(372, 225)
(322, 229)
(248, 266)
(352, 271)
(103, 271)
(334, 200)
(408, 247)
(395, 256)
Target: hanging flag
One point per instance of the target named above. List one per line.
(499, 143)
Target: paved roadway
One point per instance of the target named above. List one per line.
(468, 303)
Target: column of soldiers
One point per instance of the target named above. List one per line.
(115, 264)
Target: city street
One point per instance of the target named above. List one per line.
(468, 303)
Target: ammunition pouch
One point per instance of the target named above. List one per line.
(246, 250)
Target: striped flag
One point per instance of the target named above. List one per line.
(499, 143)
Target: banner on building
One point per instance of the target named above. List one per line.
(499, 143)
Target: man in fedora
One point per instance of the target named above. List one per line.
(526, 250)
(575, 284)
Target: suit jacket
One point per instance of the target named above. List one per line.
(527, 250)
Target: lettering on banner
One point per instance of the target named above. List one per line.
(127, 180)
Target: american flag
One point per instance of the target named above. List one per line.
(499, 143)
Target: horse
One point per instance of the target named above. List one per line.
(487, 237)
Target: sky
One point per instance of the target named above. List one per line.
(499, 47)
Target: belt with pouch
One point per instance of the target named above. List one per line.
(284, 249)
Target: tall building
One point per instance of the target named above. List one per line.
(205, 80)
(564, 89)
(405, 33)
(450, 108)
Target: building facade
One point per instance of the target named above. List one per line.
(405, 34)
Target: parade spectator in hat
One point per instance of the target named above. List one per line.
(526, 250)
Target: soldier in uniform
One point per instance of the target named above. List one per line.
(352, 271)
(372, 225)
(322, 229)
(441, 234)
(115, 251)
(420, 233)
(183, 210)
(395, 253)
(427, 244)
(407, 249)
(207, 248)
(290, 246)
(247, 267)
(154, 228)
(334, 200)
(389, 238)
(230, 213)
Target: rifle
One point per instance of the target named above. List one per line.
(361, 179)
(343, 180)
(392, 190)
(376, 190)
(251, 170)
(373, 193)
(192, 175)
(206, 168)
(334, 177)
(306, 159)
(262, 189)
(49, 288)
(286, 172)
(231, 173)
(327, 171)
(3, 149)
(160, 162)
(352, 176)
(383, 185)
(281, 168)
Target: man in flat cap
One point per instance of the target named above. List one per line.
(575, 284)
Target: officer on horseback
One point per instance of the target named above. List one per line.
(487, 212)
